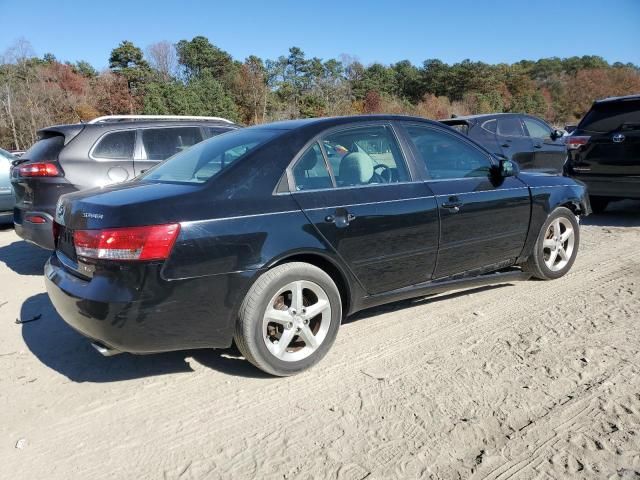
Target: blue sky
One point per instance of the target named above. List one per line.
(384, 31)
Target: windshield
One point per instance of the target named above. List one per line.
(45, 149)
(206, 159)
(609, 116)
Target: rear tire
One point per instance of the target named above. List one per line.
(289, 319)
(599, 204)
(556, 247)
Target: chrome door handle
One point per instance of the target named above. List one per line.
(453, 208)
(340, 218)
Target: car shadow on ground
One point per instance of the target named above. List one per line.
(624, 213)
(64, 350)
(24, 258)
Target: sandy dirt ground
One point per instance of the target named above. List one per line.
(531, 380)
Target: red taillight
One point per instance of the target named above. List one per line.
(35, 219)
(38, 170)
(153, 242)
(576, 142)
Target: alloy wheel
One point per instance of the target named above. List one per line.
(558, 244)
(296, 321)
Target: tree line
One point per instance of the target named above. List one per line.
(195, 77)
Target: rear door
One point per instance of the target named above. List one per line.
(158, 144)
(356, 188)
(483, 220)
(614, 144)
(513, 141)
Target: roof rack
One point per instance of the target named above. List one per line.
(120, 118)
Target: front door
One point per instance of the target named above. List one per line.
(356, 190)
(483, 221)
(549, 152)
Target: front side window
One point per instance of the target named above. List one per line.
(510, 127)
(161, 143)
(537, 129)
(365, 156)
(310, 171)
(446, 156)
(206, 159)
(116, 145)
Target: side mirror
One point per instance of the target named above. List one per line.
(556, 134)
(509, 168)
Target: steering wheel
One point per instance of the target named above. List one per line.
(385, 172)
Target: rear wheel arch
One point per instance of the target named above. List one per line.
(337, 274)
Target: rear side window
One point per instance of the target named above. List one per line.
(446, 156)
(47, 148)
(206, 159)
(510, 127)
(609, 116)
(310, 171)
(116, 145)
(364, 156)
(490, 125)
(161, 143)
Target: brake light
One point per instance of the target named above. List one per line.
(153, 242)
(38, 170)
(36, 219)
(576, 142)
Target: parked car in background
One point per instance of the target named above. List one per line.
(526, 139)
(605, 150)
(270, 235)
(17, 153)
(7, 199)
(107, 150)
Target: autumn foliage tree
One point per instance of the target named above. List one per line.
(196, 77)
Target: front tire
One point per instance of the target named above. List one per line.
(556, 247)
(289, 319)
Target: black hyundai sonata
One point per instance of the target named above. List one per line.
(269, 236)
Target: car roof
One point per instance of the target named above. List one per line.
(479, 116)
(139, 123)
(618, 99)
(327, 122)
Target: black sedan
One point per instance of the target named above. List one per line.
(528, 140)
(269, 236)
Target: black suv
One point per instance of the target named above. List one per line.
(528, 140)
(605, 150)
(107, 150)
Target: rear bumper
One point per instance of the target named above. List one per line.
(40, 234)
(139, 312)
(613, 187)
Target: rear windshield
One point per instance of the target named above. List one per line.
(461, 127)
(610, 116)
(46, 148)
(206, 159)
